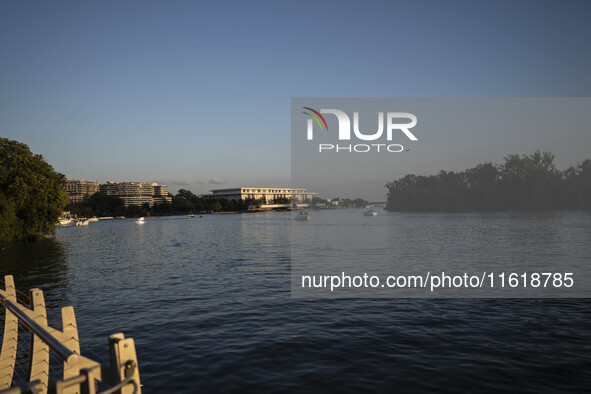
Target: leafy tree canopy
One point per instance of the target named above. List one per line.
(31, 193)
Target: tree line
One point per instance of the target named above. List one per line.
(186, 201)
(520, 182)
(100, 205)
(345, 202)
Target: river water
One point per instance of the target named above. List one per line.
(208, 303)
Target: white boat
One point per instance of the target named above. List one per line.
(302, 216)
(140, 221)
(371, 212)
(93, 219)
(190, 216)
(64, 221)
(82, 223)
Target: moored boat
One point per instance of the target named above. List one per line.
(302, 216)
(64, 221)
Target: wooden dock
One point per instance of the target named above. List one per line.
(28, 341)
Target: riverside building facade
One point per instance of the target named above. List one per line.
(80, 189)
(269, 194)
(132, 193)
(137, 193)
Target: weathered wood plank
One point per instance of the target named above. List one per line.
(39, 354)
(10, 338)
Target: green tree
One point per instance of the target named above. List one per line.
(318, 201)
(359, 203)
(216, 206)
(106, 205)
(186, 194)
(530, 181)
(252, 202)
(135, 211)
(481, 181)
(32, 194)
(282, 200)
(181, 204)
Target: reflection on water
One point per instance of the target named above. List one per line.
(37, 264)
(208, 303)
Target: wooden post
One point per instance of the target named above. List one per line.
(39, 353)
(10, 338)
(122, 351)
(70, 330)
(88, 387)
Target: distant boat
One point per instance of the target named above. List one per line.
(302, 216)
(190, 216)
(371, 212)
(82, 223)
(93, 219)
(64, 221)
(140, 221)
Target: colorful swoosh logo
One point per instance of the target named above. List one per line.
(315, 118)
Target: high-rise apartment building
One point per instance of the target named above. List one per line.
(80, 189)
(161, 194)
(137, 193)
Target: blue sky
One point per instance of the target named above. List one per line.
(188, 92)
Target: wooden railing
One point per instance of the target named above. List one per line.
(79, 374)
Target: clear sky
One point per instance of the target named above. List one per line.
(197, 95)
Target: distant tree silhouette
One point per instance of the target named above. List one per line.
(520, 182)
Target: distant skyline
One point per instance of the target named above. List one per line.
(197, 95)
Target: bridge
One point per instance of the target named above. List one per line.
(28, 342)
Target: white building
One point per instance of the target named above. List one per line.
(269, 194)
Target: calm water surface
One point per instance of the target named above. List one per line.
(208, 303)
